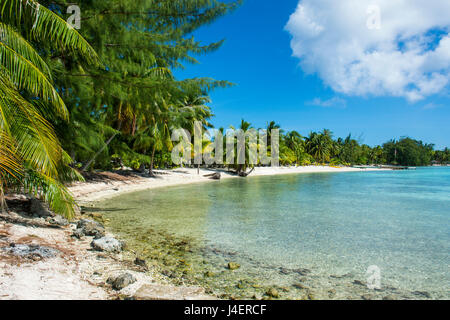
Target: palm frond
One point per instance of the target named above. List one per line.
(43, 24)
(26, 76)
(16, 42)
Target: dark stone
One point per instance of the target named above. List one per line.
(284, 271)
(209, 274)
(58, 221)
(40, 209)
(359, 283)
(302, 271)
(214, 176)
(91, 228)
(422, 294)
(78, 233)
(33, 252)
(331, 293)
(233, 266)
(107, 244)
(300, 286)
(140, 262)
(272, 292)
(121, 281)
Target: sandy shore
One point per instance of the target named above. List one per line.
(108, 188)
(76, 271)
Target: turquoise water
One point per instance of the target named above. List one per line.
(335, 225)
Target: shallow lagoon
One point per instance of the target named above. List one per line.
(307, 235)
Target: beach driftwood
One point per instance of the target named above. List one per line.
(214, 176)
(245, 174)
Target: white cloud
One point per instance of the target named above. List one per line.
(333, 102)
(407, 56)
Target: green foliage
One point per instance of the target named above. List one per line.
(31, 155)
(408, 152)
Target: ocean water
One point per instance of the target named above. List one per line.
(333, 226)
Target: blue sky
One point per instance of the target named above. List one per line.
(272, 85)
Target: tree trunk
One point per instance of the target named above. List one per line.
(133, 126)
(88, 164)
(151, 163)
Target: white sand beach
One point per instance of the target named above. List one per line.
(93, 191)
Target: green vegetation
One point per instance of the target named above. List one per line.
(31, 156)
(105, 96)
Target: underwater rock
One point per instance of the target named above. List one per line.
(423, 294)
(302, 271)
(96, 216)
(390, 297)
(107, 244)
(169, 292)
(91, 228)
(310, 296)
(359, 283)
(233, 266)
(121, 281)
(300, 286)
(331, 293)
(284, 271)
(140, 262)
(209, 274)
(272, 292)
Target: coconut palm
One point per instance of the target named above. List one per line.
(30, 154)
(295, 142)
(320, 145)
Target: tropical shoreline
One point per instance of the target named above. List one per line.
(89, 270)
(85, 192)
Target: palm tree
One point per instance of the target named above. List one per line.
(320, 145)
(295, 142)
(31, 156)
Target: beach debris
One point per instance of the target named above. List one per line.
(214, 176)
(108, 244)
(32, 252)
(233, 265)
(40, 209)
(244, 174)
(91, 228)
(273, 293)
(121, 281)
